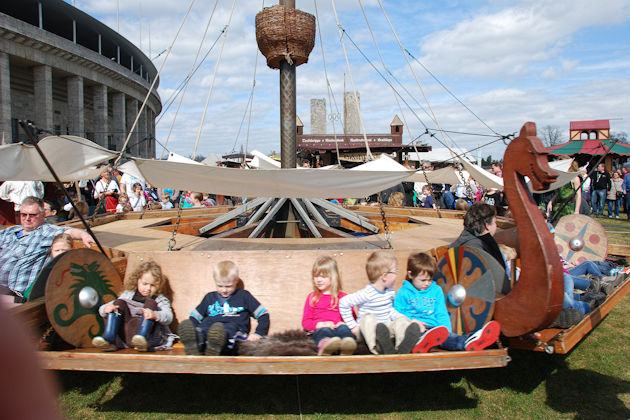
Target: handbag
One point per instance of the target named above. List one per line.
(619, 194)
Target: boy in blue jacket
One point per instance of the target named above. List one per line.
(422, 300)
(223, 317)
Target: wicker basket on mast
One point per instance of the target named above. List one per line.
(283, 33)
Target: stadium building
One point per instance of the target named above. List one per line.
(71, 74)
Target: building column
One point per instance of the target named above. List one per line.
(131, 112)
(141, 128)
(76, 117)
(101, 128)
(6, 135)
(151, 131)
(42, 84)
(119, 124)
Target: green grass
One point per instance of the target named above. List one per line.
(592, 381)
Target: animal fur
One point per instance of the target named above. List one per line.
(287, 343)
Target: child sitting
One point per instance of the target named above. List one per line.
(222, 317)
(165, 201)
(377, 319)
(321, 310)
(138, 307)
(137, 200)
(422, 300)
(123, 200)
(60, 244)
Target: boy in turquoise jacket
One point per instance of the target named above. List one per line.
(422, 300)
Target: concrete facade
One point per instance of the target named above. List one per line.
(352, 113)
(318, 116)
(90, 83)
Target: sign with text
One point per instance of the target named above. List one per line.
(348, 141)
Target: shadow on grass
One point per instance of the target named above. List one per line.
(264, 395)
(589, 393)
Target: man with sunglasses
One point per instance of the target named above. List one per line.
(24, 248)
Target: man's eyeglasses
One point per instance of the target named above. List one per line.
(29, 214)
(392, 272)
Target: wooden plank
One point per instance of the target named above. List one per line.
(561, 341)
(176, 362)
(618, 249)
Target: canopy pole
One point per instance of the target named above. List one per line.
(27, 128)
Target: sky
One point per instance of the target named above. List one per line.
(508, 62)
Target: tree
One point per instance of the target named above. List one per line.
(550, 135)
(620, 136)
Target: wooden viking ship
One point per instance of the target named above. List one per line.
(277, 272)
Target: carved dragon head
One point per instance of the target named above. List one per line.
(528, 157)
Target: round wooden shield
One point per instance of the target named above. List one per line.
(73, 272)
(39, 286)
(468, 268)
(589, 230)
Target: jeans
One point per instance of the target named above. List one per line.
(341, 331)
(628, 204)
(597, 202)
(570, 299)
(617, 204)
(589, 267)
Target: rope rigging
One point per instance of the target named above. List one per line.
(155, 79)
(190, 73)
(216, 70)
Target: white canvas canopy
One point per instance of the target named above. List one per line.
(75, 158)
(72, 158)
(280, 183)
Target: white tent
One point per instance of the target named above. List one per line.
(72, 158)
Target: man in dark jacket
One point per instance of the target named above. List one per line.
(601, 183)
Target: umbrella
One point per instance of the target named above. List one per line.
(590, 147)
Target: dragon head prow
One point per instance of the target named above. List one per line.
(527, 156)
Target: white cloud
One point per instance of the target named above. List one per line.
(509, 63)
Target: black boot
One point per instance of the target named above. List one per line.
(139, 341)
(191, 338)
(107, 341)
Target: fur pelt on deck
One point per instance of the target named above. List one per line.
(286, 343)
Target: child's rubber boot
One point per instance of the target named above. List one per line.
(107, 341)
(484, 337)
(188, 337)
(433, 337)
(139, 341)
(215, 339)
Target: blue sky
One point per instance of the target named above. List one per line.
(509, 61)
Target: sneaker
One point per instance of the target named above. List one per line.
(188, 337)
(431, 338)
(328, 345)
(215, 339)
(412, 335)
(484, 337)
(616, 217)
(384, 340)
(568, 317)
(103, 344)
(348, 346)
(139, 342)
